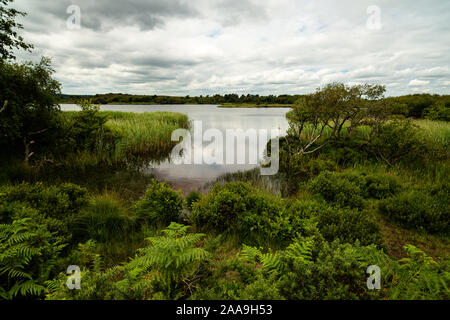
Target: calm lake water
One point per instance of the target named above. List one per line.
(191, 177)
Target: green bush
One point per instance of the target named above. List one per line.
(192, 198)
(420, 209)
(160, 205)
(349, 226)
(349, 189)
(56, 206)
(333, 187)
(338, 272)
(439, 111)
(398, 140)
(379, 186)
(104, 220)
(253, 215)
(55, 201)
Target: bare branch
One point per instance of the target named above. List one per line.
(4, 106)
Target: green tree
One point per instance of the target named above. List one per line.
(9, 38)
(334, 108)
(29, 115)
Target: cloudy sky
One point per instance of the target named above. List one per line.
(193, 47)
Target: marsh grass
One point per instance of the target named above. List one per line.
(137, 137)
(145, 134)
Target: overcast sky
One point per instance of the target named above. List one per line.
(193, 47)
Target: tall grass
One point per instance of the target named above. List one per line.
(435, 131)
(138, 136)
(145, 134)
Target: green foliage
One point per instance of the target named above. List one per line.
(30, 113)
(336, 107)
(416, 105)
(28, 253)
(88, 126)
(171, 261)
(421, 209)
(253, 215)
(9, 38)
(192, 198)
(97, 283)
(343, 191)
(221, 208)
(160, 204)
(104, 220)
(349, 226)
(270, 263)
(56, 206)
(398, 140)
(261, 289)
(421, 278)
(439, 111)
(338, 272)
(349, 189)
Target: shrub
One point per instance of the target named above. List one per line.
(420, 209)
(345, 192)
(398, 140)
(58, 206)
(349, 226)
(59, 202)
(338, 272)
(160, 205)
(379, 186)
(220, 212)
(192, 198)
(253, 215)
(439, 111)
(350, 188)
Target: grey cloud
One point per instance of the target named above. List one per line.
(108, 14)
(264, 47)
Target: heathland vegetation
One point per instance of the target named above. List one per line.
(360, 184)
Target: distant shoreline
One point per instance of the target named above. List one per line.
(227, 105)
(253, 105)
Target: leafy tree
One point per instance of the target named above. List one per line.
(29, 116)
(9, 38)
(334, 108)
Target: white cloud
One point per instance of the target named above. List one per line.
(272, 47)
(415, 83)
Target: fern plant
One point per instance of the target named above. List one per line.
(421, 277)
(270, 263)
(27, 258)
(169, 261)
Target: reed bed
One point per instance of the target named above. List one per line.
(138, 136)
(145, 134)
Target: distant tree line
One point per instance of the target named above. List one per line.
(436, 107)
(154, 99)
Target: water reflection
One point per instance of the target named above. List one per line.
(189, 177)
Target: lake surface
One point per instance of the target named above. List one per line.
(189, 177)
